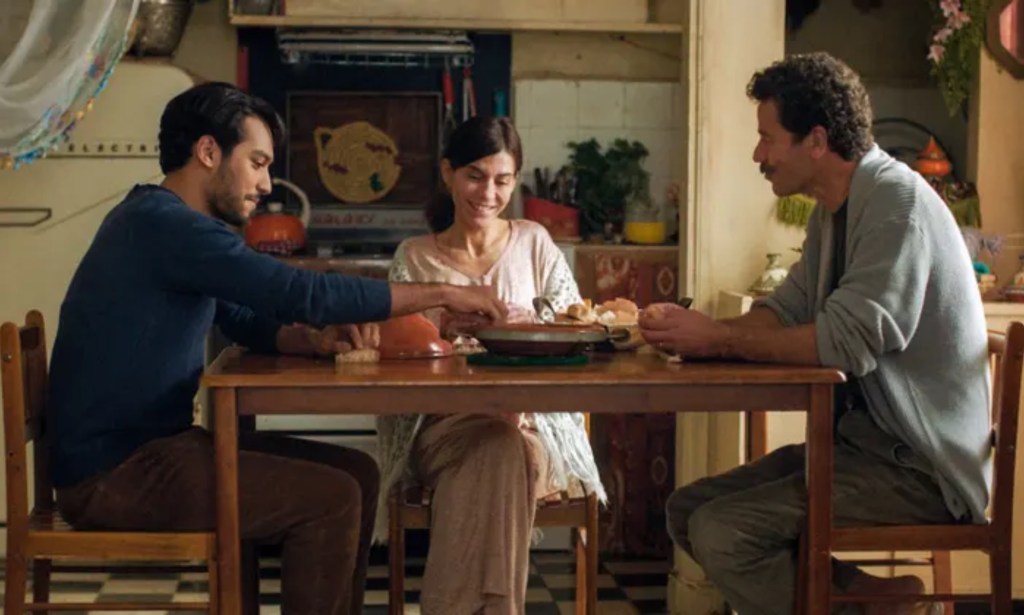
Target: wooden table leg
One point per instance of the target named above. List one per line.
(819, 499)
(757, 435)
(225, 429)
(250, 567)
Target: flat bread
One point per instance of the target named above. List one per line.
(361, 355)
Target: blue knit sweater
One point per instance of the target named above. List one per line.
(130, 345)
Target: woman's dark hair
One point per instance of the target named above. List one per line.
(215, 109)
(476, 138)
(816, 89)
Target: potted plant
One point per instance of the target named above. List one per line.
(608, 181)
(953, 52)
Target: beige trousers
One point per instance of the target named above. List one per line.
(486, 473)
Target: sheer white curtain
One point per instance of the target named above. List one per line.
(60, 63)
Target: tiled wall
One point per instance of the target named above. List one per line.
(551, 113)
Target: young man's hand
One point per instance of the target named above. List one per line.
(305, 340)
(482, 300)
(341, 338)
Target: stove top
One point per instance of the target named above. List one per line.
(362, 231)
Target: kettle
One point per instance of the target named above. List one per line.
(276, 232)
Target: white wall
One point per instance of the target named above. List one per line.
(887, 46)
(726, 215)
(39, 262)
(551, 113)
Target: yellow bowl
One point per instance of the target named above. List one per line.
(644, 232)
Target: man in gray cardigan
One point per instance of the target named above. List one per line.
(885, 291)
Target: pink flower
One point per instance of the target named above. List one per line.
(949, 7)
(935, 53)
(943, 35)
(958, 20)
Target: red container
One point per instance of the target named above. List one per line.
(562, 221)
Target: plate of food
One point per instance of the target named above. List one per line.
(535, 340)
(617, 316)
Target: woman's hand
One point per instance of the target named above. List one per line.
(520, 314)
(454, 324)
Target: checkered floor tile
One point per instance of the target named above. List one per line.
(626, 586)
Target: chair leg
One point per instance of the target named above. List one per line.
(586, 561)
(211, 582)
(396, 559)
(593, 543)
(999, 572)
(582, 599)
(15, 578)
(41, 581)
(250, 578)
(799, 590)
(942, 576)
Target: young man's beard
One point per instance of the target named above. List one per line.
(229, 209)
(224, 205)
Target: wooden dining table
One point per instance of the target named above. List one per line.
(244, 384)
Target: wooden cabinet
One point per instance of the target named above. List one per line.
(642, 274)
(635, 452)
(511, 10)
(601, 16)
(414, 9)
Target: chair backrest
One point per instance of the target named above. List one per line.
(25, 385)
(1007, 355)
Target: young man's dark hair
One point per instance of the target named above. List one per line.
(216, 109)
(816, 89)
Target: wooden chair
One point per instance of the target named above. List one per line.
(994, 538)
(409, 508)
(40, 535)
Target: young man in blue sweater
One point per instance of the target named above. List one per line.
(884, 290)
(164, 266)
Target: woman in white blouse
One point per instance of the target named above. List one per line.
(487, 472)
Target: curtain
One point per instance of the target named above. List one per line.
(61, 62)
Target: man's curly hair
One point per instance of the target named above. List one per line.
(816, 89)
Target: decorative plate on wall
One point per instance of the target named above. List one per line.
(378, 148)
(356, 161)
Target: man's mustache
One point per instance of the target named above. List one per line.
(766, 169)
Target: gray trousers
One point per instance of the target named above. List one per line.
(742, 527)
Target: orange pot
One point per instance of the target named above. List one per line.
(933, 161)
(411, 337)
(276, 232)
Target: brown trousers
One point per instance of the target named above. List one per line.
(317, 500)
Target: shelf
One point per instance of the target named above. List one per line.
(475, 25)
(1004, 308)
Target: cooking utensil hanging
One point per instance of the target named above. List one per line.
(448, 88)
(468, 95)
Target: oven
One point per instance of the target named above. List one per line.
(368, 163)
